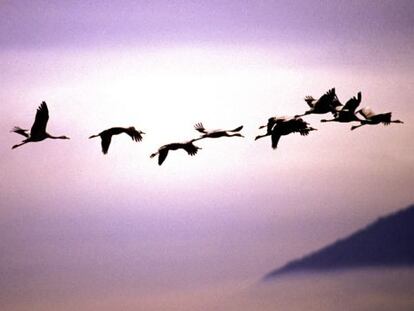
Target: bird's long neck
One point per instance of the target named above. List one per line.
(304, 114)
(261, 136)
(56, 137)
(24, 142)
(356, 126)
(355, 118)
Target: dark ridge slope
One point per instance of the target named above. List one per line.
(387, 242)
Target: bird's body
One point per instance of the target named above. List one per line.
(217, 133)
(38, 130)
(188, 146)
(328, 102)
(271, 122)
(375, 118)
(346, 113)
(106, 135)
(282, 126)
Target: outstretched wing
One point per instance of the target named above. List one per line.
(329, 100)
(162, 155)
(42, 116)
(335, 104)
(296, 125)
(199, 127)
(271, 123)
(367, 112)
(105, 142)
(353, 103)
(134, 134)
(275, 139)
(327, 97)
(191, 149)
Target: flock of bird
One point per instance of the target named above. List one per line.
(276, 127)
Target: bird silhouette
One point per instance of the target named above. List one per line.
(217, 133)
(283, 126)
(346, 113)
(271, 122)
(38, 130)
(106, 135)
(188, 146)
(328, 102)
(374, 118)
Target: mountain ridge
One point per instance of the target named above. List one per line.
(388, 242)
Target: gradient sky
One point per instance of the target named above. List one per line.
(236, 210)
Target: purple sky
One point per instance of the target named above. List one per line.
(348, 33)
(236, 210)
(43, 24)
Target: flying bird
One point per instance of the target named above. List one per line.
(271, 122)
(328, 102)
(106, 135)
(375, 118)
(283, 126)
(346, 113)
(38, 130)
(188, 146)
(217, 133)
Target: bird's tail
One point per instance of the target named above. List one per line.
(153, 155)
(93, 136)
(306, 131)
(20, 131)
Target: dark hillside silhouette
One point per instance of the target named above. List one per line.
(388, 242)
